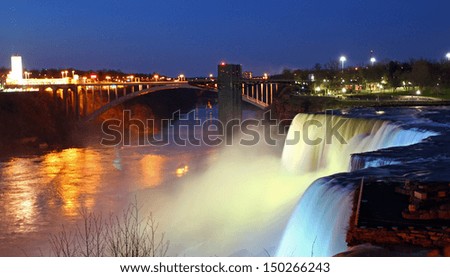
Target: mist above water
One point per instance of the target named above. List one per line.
(242, 201)
(238, 206)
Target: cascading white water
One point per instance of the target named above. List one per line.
(332, 156)
(360, 162)
(319, 222)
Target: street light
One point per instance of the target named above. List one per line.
(343, 59)
(448, 56)
(373, 60)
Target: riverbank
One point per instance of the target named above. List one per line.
(32, 122)
(286, 106)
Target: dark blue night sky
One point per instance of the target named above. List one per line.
(191, 37)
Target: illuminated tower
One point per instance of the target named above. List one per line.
(16, 68)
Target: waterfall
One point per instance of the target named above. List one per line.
(332, 156)
(318, 224)
(360, 162)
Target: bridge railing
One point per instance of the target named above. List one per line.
(260, 93)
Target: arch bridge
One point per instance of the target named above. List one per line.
(86, 101)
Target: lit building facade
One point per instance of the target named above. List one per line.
(16, 75)
(247, 75)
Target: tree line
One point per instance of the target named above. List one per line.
(421, 73)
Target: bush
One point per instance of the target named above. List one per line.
(120, 236)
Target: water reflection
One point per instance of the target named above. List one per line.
(152, 170)
(181, 171)
(38, 194)
(60, 182)
(19, 208)
(74, 176)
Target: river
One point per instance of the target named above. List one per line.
(208, 201)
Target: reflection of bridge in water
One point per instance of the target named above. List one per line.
(86, 101)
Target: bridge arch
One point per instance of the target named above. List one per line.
(136, 94)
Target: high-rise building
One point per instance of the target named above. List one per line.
(16, 69)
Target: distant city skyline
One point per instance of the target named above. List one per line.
(179, 37)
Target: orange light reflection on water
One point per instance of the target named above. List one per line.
(52, 188)
(74, 176)
(152, 169)
(21, 206)
(181, 171)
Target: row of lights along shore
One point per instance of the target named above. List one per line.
(17, 72)
(373, 60)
